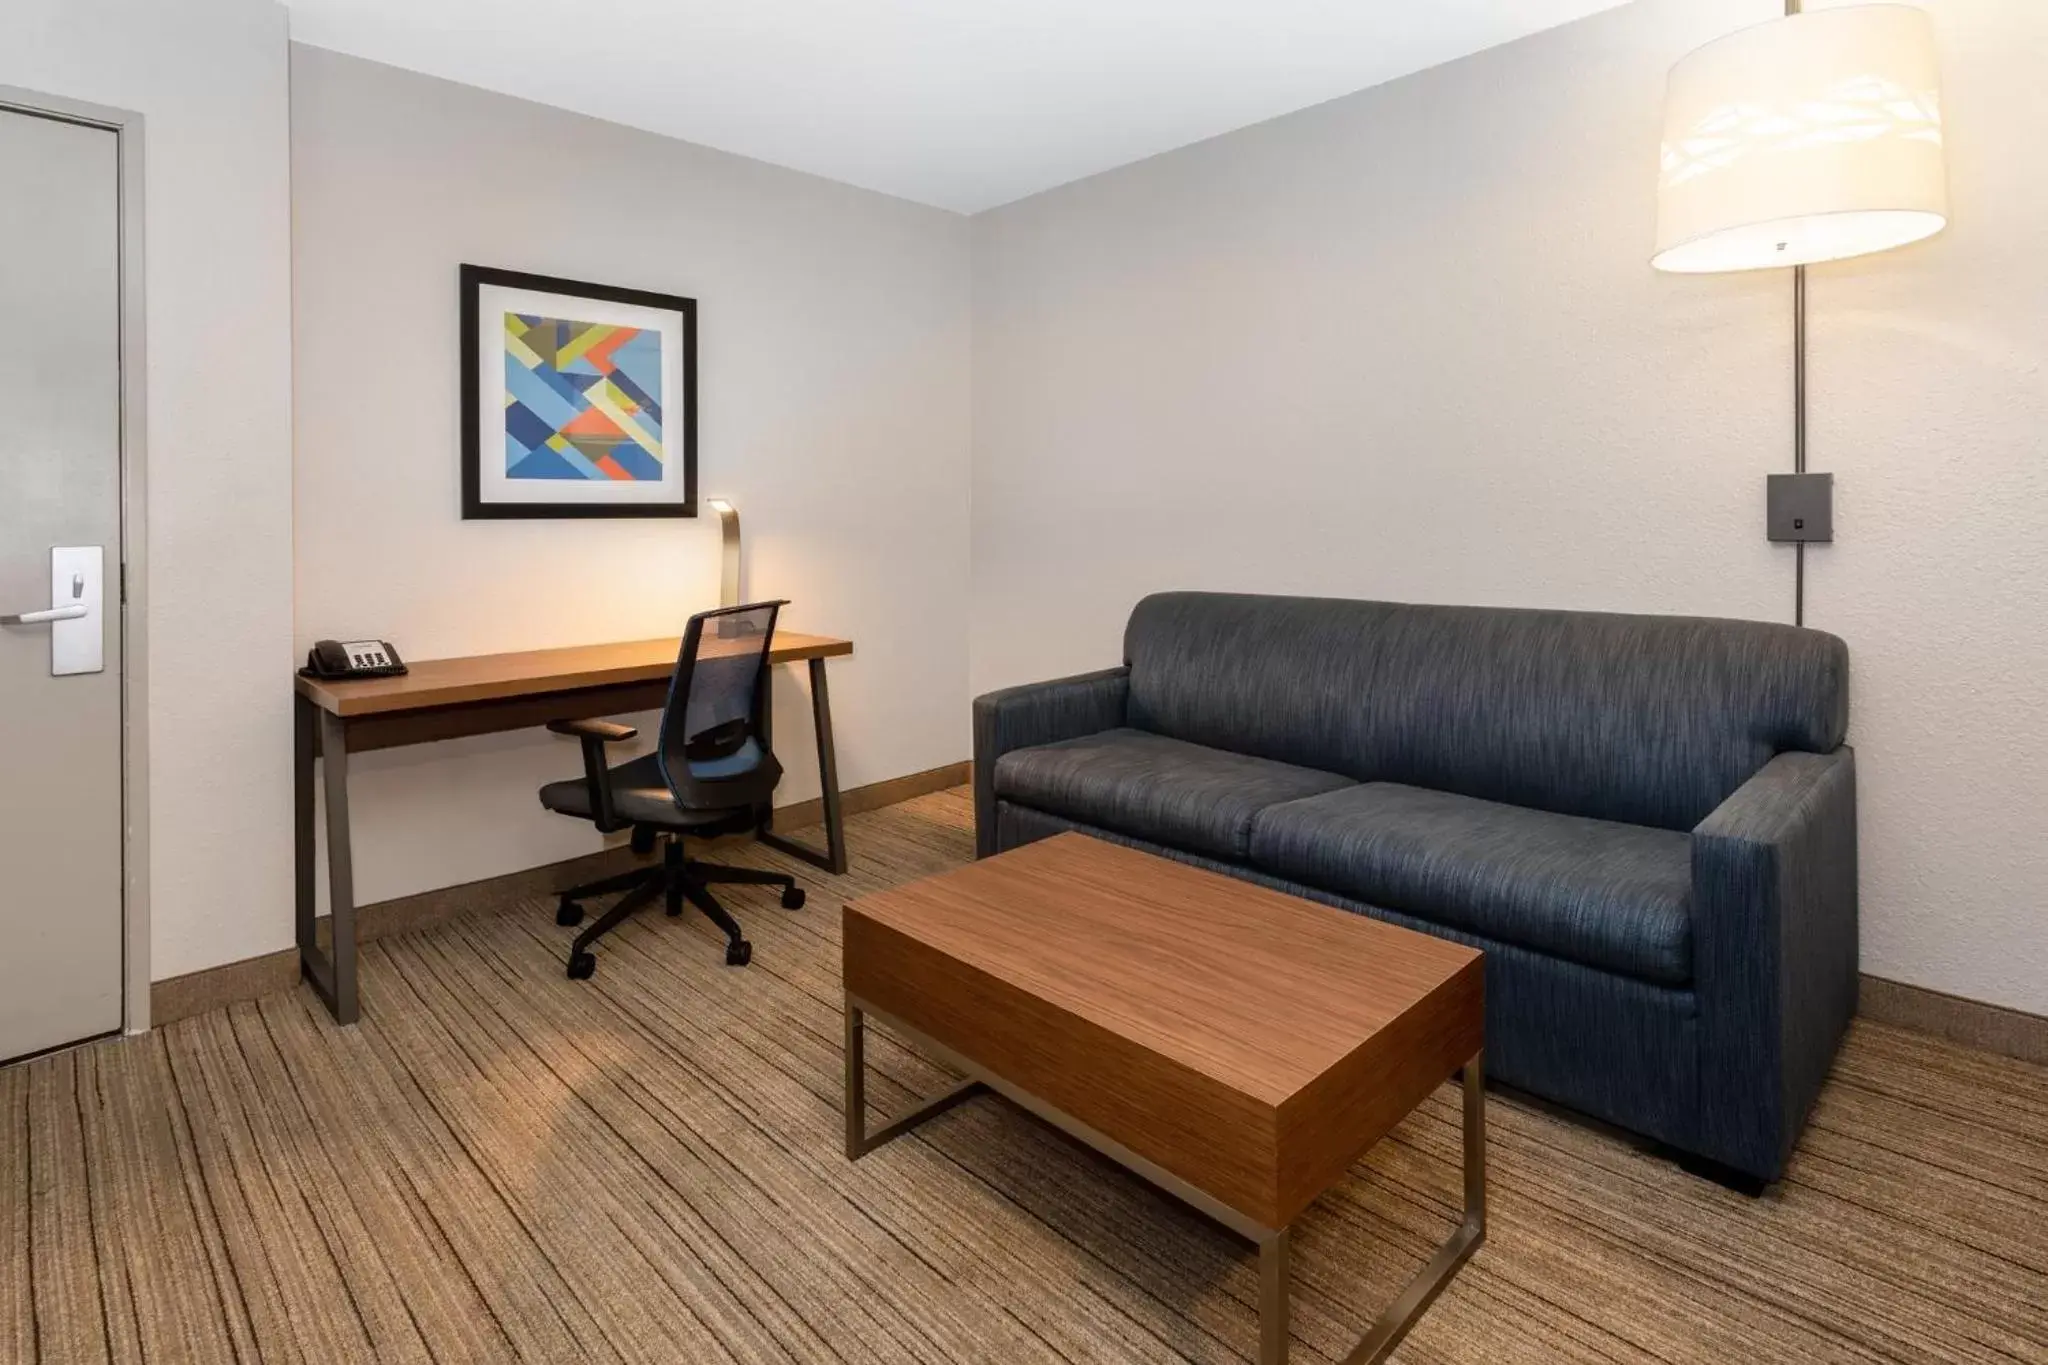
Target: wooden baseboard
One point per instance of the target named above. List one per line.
(181, 997)
(1957, 1019)
(876, 795)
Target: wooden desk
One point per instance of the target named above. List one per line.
(481, 695)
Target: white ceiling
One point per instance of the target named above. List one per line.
(964, 104)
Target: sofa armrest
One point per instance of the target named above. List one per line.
(1774, 952)
(1037, 713)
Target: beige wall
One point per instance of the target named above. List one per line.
(1403, 344)
(1406, 345)
(833, 330)
(209, 79)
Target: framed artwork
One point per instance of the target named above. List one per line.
(578, 400)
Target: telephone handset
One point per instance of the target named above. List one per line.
(341, 660)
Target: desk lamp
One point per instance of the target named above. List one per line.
(729, 530)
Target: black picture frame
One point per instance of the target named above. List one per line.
(474, 508)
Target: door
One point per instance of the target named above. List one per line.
(61, 815)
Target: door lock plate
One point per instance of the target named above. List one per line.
(78, 579)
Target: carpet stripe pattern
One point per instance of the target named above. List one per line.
(502, 1165)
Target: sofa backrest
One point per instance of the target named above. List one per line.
(1652, 720)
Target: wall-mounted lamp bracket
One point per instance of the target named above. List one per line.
(1800, 508)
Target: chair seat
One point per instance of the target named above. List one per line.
(639, 793)
(1134, 782)
(1601, 894)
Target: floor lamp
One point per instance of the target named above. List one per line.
(1815, 137)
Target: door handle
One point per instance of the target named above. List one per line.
(37, 618)
(77, 631)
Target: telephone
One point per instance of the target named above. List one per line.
(341, 660)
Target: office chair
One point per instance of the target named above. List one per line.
(711, 773)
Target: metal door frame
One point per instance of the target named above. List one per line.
(132, 585)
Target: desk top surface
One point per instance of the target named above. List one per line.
(532, 672)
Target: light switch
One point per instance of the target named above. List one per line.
(1800, 508)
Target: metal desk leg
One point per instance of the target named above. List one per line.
(333, 973)
(305, 719)
(833, 857)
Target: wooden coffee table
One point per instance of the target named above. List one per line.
(1237, 1047)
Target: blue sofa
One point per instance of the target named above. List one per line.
(1648, 823)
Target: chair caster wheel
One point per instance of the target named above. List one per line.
(568, 913)
(581, 966)
(738, 953)
(793, 898)
(642, 840)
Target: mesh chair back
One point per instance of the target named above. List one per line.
(713, 751)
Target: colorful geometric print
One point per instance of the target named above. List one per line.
(582, 400)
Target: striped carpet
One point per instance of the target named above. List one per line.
(502, 1165)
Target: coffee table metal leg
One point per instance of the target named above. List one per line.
(1402, 1314)
(856, 1082)
(859, 1141)
(1275, 1278)
(1274, 1244)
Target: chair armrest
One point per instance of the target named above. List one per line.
(1774, 952)
(595, 734)
(608, 731)
(1038, 713)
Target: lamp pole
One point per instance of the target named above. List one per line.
(1798, 408)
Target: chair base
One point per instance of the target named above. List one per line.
(677, 880)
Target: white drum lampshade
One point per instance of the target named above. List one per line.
(1810, 138)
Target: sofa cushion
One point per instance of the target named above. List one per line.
(1601, 894)
(1153, 787)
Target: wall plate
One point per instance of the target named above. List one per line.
(1800, 508)
(77, 579)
